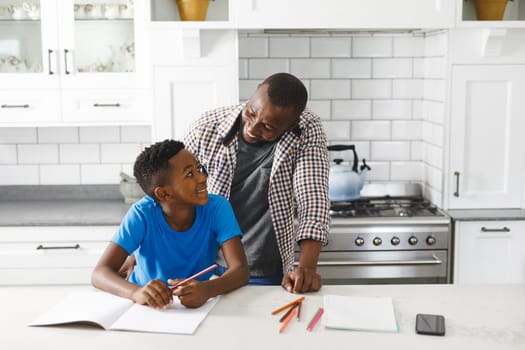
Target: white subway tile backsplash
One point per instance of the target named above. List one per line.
(100, 173)
(321, 108)
(253, 47)
(390, 150)
(331, 47)
(8, 154)
(407, 88)
(406, 171)
(434, 177)
(79, 153)
(418, 109)
(392, 109)
(38, 154)
(99, 134)
(372, 47)
(435, 67)
(433, 134)
(247, 88)
(58, 135)
(60, 174)
(434, 156)
(417, 150)
(243, 68)
(391, 68)
(119, 152)
(362, 149)
(352, 68)
(135, 133)
(379, 171)
(329, 89)
(371, 89)
(406, 130)
(128, 168)
(351, 109)
(409, 46)
(434, 89)
(433, 111)
(337, 130)
(262, 68)
(418, 70)
(436, 45)
(310, 68)
(289, 47)
(19, 174)
(371, 130)
(18, 135)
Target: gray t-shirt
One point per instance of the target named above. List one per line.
(249, 199)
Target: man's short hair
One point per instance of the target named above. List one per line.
(286, 90)
(152, 163)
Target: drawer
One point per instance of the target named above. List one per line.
(106, 106)
(29, 106)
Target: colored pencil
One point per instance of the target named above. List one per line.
(288, 312)
(285, 323)
(299, 311)
(198, 274)
(315, 319)
(276, 311)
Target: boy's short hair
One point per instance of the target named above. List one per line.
(286, 90)
(151, 165)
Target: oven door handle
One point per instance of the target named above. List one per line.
(434, 261)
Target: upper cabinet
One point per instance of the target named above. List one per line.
(487, 148)
(72, 62)
(337, 14)
(497, 14)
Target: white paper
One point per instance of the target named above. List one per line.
(116, 313)
(359, 313)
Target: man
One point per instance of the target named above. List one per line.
(269, 157)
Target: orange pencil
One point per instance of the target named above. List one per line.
(288, 312)
(285, 323)
(276, 311)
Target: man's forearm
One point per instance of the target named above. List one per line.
(309, 254)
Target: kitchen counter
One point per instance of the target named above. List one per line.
(90, 205)
(486, 214)
(476, 317)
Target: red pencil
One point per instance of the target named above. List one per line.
(198, 274)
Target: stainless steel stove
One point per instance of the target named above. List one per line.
(391, 235)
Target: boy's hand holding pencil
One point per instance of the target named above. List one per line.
(191, 293)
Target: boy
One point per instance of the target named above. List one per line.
(175, 232)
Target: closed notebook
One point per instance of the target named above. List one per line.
(359, 313)
(115, 313)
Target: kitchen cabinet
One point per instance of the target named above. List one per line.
(196, 72)
(333, 14)
(51, 254)
(72, 62)
(489, 252)
(487, 148)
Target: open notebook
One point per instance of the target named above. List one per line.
(359, 313)
(115, 313)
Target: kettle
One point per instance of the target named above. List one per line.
(345, 182)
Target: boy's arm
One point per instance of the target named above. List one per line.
(194, 294)
(106, 276)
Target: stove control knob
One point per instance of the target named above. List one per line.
(412, 240)
(377, 241)
(431, 240)
(359, 241)
(395, 240)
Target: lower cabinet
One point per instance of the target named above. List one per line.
(489, 252)
(51, 254)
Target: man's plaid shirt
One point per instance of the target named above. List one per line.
(298, 179)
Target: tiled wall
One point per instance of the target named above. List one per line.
(383, 93)
(69, 155)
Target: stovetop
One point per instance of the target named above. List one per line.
(386, 207)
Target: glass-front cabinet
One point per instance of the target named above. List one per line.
(72, 61)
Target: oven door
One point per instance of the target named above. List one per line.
(374, 267)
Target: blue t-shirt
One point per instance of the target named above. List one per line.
(164, 253)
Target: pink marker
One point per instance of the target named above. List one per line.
(315, 319)
(198, 274)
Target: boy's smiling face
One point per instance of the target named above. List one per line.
(185, 181)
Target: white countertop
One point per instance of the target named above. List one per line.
(476, 317)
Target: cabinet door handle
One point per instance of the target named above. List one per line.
(106, 105)
(504, 229)
(49, 52)
(41, 247)
(456, 173)
(66, 51)
(15, 106)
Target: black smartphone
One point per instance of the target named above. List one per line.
(430, 324)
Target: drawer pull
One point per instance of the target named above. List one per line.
(504, 229)
(16, 106)
(106, 105)
(41, 247)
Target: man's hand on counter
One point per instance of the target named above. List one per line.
(302, 280)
